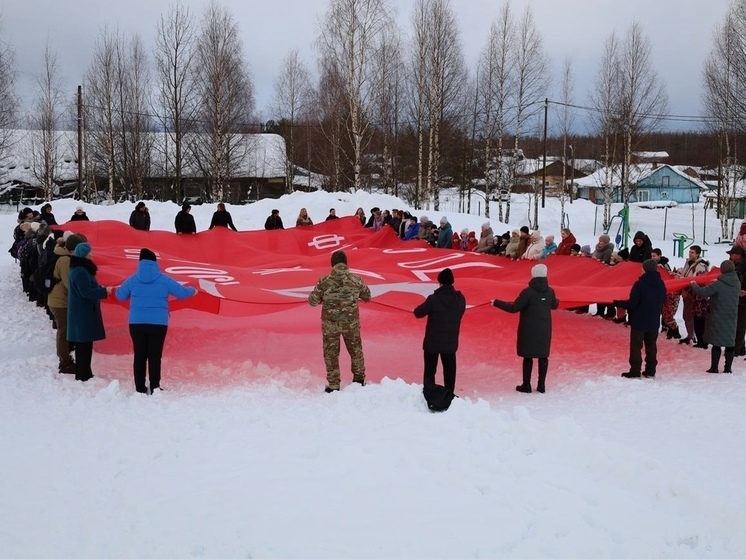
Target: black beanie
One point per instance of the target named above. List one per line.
(524, 229)
(339, 257)
(147, 254)
(445, 277)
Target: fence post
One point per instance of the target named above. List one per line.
(704, 227)
(665, 222)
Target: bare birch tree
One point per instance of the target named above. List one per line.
(100, 108)
(418, 99)
(724, 81)
(387, 100)
(643, 102)
(132, 87)
(8, 99)
(351, 33)
(567, 121)
(44, 121)
(330, 108)
(173, 56)
(495, 87)
(604, 98)
(531, 83)
(292, 100)
(225, 99)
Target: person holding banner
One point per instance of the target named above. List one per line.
(535, 305)
(339, 293)
(148, 290)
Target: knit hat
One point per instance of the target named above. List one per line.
(586, 249)
(536, 234)
(465, 231)
(66, 235)
(445, 277)
(82, 250)
(34, 225)
(649, 265)
(727, 266)
(147, 254)
(72, 241)
(506, 236)
(140, 205)
(576, 247)
(486, 224)
(185, 207)
(539, 271)
(79, 208)
(549, 239)
(524, 229)
(443, 220)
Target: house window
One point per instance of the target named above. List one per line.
(643, 196)
(664, 194)
(665, 181)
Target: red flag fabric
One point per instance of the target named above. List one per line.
(257, 272)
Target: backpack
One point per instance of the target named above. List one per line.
(44, 279)
(438, 397)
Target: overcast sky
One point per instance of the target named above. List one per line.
(680, 32)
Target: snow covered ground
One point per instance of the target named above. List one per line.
(257, 461)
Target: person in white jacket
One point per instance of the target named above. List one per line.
(535, 247)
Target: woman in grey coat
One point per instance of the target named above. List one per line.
(720, 328)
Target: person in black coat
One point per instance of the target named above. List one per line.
(184, 222)
(644, 306)
(534, 340)
(641, 248)
(47, 215)
(332, 215)
(274, 221)
(222, 218)
(444, 310)
(140, 218)
(79, 215)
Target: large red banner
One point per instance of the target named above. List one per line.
(258, 272)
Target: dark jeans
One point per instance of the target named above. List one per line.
(147, 342)
(636, 340)
(83, 356)
(449, 369)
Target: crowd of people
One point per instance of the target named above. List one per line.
(58, 273)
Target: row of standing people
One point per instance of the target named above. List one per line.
(72, 296)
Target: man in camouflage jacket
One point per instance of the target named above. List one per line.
(338, 293)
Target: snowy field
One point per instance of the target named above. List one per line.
(243, 455)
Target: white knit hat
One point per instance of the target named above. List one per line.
(539, 271)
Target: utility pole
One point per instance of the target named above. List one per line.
(80, 142)
(544, 170)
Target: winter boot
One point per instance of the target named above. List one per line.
(329, 390)
(714, 360)
(685, 340)
(359, 380)
(543, 366)
(526, 386)
(729, 355)
(631, 374)
(673, 333)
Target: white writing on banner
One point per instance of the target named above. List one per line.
(422, 274)
(330, 240)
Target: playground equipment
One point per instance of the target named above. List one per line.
(681, 242)
(621, 237)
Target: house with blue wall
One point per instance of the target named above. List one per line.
(650, 183)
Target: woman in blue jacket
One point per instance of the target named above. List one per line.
(84, 322)
(148, 290)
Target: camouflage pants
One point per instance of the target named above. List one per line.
(354, 346)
